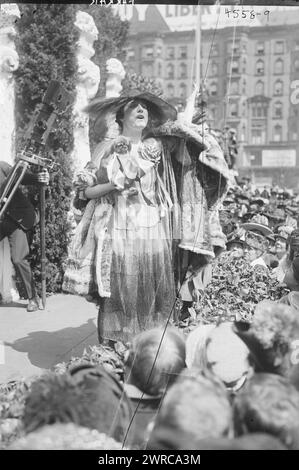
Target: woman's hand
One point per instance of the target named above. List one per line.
(132, 191)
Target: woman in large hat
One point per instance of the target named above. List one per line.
(137, 207)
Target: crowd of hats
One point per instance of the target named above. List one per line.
(234, 291)
(274, 209)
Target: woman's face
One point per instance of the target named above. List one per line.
(135, 115)
(280, 246)
(251, 254)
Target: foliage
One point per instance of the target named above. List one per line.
(235, 290)
(46, 44)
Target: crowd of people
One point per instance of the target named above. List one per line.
(226, 386)
(261, 225)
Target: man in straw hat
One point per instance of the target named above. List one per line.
(255, 240)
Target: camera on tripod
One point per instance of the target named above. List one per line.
(55, 102)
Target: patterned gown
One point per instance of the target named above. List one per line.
(126, 233)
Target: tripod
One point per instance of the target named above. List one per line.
(55, 101)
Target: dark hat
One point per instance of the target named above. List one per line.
(263, 358)
(243, 196)
(271, 238)
(294, 238)
(282, 205)
(281, 235)
(233, 238)
(159, 110)
(275, 215)
(261, 201)
(228, 200)
(292, 210)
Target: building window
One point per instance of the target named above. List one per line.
(234, 87)
(279, 47)
(278, 110)
(214, 69)
(296, 65)
(260, 48)
(259, 88)
(170, 71)
(130, 54)
(278, 87)
(235, 66)
(214, 50)
(259, 68)
(233, 47)
(213, 89)
(170, 53)
(278, 66)
(259, 110)
(277, 134)
(159, 51)
(147, 52)
(183, 52)
(258, 135)
(183, 70)
(183, 90)
(170, 90)
(233, 109)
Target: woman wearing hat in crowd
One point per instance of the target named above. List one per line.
(154, 182)
(292, 251)
(255, 240)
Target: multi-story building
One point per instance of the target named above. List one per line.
(250, 73)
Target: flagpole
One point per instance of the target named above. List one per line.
(198, 47)
(190, 104)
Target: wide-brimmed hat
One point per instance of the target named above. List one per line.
(261, 201)
(282, 236)
(242, 196)
(276, 214)
(159, 110)
(271, 238)
(259, 223)
(234, 239)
